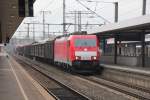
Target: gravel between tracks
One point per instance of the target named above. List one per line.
(88, 88)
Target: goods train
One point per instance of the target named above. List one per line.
(74, 52)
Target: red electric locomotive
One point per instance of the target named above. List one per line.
(77, 52)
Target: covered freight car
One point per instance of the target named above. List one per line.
(43, 51)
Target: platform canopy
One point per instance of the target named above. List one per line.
(127, 30)
(12, 12)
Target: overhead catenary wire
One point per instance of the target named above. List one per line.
(93, 12)
(50, 3)
(96, 1)
(46, 6)
(130, 11)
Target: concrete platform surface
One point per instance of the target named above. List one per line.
(139, 70)
(16, 84)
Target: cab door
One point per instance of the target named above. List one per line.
(68, 50)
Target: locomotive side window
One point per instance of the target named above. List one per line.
(85, 42)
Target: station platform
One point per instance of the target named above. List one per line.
(139, 70)
(16, 83)
(132, 61)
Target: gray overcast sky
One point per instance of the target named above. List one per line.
(127, 9)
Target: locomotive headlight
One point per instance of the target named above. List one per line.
(77, 57)
(94, 58)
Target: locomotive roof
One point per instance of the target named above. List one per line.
(74, 33)
(73, 37)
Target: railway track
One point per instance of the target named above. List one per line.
(136, 93)
(132, 91)
(58, 90)
(140, 88)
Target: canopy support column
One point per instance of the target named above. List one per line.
(104, 46)
(144, 7)
(143, 48)
(115, 53)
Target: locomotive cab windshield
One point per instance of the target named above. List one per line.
(85, 43)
